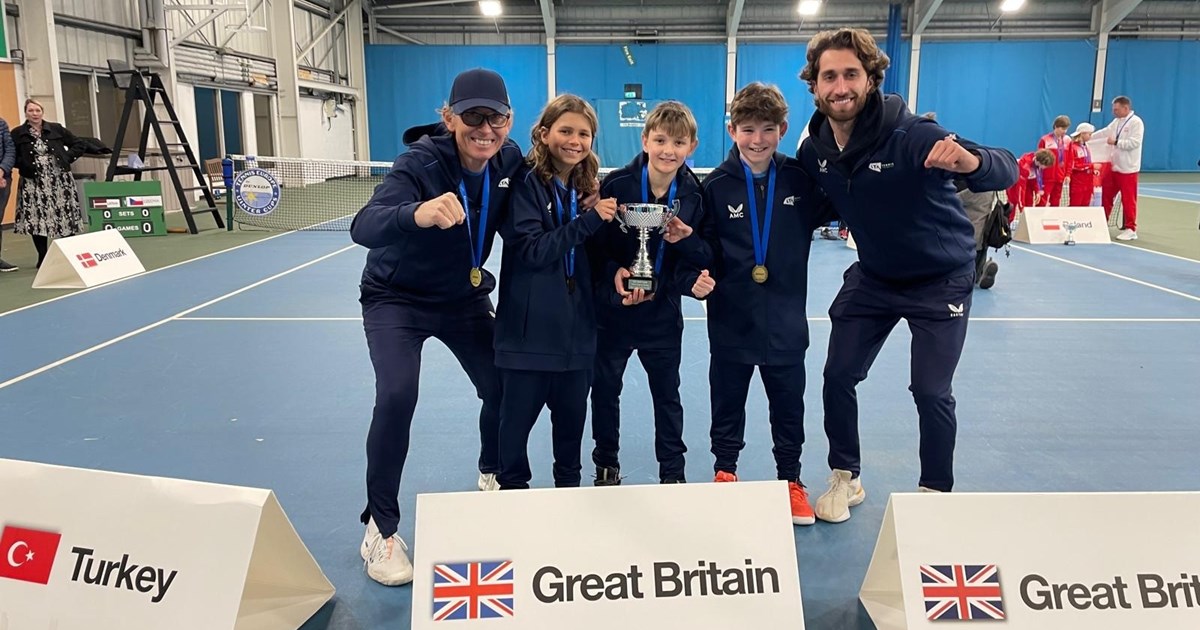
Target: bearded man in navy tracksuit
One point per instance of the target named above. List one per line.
(890, 177)
(429, 227)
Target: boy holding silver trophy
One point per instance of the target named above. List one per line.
(760, 210)
(640, 310)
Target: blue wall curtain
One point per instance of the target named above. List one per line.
(892, 81)
(691, 73)
(1000, 93)
(1160, 78)
(407, 84)
(780, 64)
(231, 125)
(1007, 94)
(206, 123)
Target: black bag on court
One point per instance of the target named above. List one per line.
(996, 232)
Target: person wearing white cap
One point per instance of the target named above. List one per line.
(1124, 134)
(1082, 171)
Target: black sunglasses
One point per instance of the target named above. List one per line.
(473, 118)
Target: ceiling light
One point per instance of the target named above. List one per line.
(490, 8)
(809, 7)
(1008, 6)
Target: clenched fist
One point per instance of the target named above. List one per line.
(704, 285)
(947, 154)
(443, 211)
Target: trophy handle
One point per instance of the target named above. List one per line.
(671, 213)
(621, 218)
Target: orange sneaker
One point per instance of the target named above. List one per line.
(724, 477)
(802, 512)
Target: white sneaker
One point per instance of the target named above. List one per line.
(843, 493)
(387, 560)
(929, 490)
(1127, 235)
(487, 482)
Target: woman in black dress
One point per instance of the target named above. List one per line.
(47, 200)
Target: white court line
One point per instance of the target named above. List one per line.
(1094, 320)
(1171, 191)
(269, 319)
(1109, 273)
(1071, 320)
(143, 275)
(1140, 195)
(1151, 251)
(101, 346)
(1053, 320)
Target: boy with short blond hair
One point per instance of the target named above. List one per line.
(629, 320)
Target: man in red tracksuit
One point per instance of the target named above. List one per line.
(1028, 191)
(1081, 168)
(1059, 144)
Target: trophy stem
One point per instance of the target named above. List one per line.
(641, 266)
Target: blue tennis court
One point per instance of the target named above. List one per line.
(1176, 191)
(249, 367)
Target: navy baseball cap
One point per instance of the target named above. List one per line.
(478, 87)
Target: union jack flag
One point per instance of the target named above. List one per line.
(962, 591)
(473, 590)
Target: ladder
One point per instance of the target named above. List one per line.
(149, 94)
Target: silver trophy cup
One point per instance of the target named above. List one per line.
(644, 217)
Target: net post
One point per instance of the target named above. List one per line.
(227, 175)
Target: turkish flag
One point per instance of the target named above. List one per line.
(27, 554)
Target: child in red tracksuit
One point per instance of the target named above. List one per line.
(1083, 172)
(1030, 184)
(1059, 144)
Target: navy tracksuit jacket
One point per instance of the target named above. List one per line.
(416, 285)
(916, 250)
(653, 328)
(545, 326)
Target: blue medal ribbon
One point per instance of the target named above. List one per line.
(569, 261)
(477, 243)
(761, 238)
(658, 258)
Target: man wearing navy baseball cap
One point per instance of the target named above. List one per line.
(429, 228)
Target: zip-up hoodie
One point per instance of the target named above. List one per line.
(659, 322)
(540, 324)
(907, 220)
(759, 324)
(429, 266)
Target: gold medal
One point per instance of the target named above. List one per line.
(476, 276)
(759, 273)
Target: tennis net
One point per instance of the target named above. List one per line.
(314, 194)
